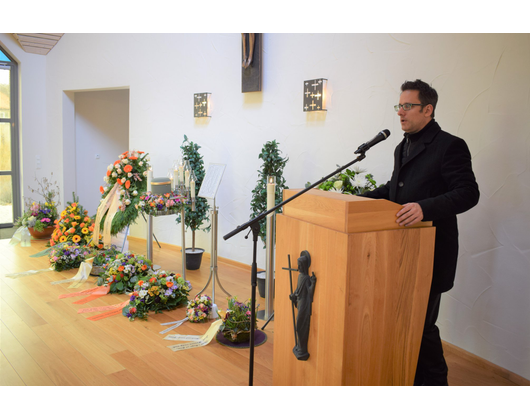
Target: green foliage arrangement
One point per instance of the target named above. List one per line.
(273, 165)
(199, 218)
(352, 182)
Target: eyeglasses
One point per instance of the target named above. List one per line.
(406, 107)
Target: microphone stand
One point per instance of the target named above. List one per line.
(254, 226)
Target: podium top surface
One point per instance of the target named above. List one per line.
(343, 212)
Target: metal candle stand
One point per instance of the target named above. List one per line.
(184, 193)
(213, 258)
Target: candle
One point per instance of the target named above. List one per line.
(271, 192)
(149, 178)
(175, 177)
(172, 178)
(187, 178)
(181, 173)
(192, 188)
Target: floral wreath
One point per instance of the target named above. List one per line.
(122, 273)
(164, 290)
(67, 255)
(130, 173)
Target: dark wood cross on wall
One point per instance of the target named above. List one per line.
(251, 58)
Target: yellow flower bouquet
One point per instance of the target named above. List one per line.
(74, 225)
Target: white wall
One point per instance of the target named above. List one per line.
(484, 89)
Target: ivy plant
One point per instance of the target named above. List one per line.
(273, 164)
(200, 218)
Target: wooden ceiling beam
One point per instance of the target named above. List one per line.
(39, 43)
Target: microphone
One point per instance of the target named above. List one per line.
(363, 148)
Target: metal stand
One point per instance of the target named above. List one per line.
(182, 215)
(150, 234)
(213, 256)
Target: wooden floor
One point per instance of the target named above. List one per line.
(44, 341)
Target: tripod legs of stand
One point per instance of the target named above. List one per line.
(268, 320)
(213, 260)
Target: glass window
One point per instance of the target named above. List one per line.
(10, 194)
(6, 200)
(3, 57)
(5, 146)
(5, 92)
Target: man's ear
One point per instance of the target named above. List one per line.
(428, 110)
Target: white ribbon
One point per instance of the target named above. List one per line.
(196, 340)
(175, 324)
(82, 274)
(28, 273)
(21, 236)
(110, 203)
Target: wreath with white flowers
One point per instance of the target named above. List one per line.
(130, 173)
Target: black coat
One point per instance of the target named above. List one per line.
(438, 176)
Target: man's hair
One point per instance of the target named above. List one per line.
(426, 92)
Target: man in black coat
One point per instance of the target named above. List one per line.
(434, 181)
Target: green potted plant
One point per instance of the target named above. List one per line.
(273, 165)
(353, 182)
(199, 218)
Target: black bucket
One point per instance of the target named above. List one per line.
(193, 258)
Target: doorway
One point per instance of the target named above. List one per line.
(101, 135)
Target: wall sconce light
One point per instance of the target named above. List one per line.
(315, 95)
(201, 105)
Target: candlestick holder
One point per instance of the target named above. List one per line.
(187, 197)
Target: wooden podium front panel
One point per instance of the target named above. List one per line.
(368, 308)
(389, 276)
(326, 336)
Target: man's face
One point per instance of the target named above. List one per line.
(417, 117)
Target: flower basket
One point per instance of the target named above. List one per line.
(237, 323)
(40, 216)
(44, 234)
(97, 270)
(102, 257)
(237, 335)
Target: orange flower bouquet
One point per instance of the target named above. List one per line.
(130, 173)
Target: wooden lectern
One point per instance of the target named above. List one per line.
(373, 283)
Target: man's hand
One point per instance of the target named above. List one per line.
(409, 214)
